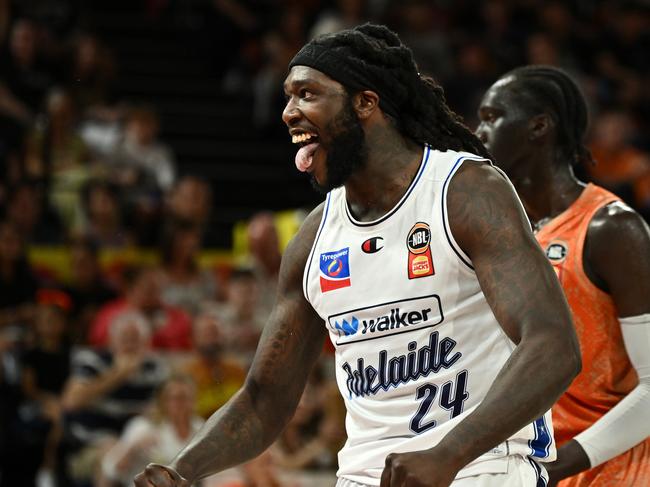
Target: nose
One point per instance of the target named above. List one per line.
(290, 114)
(481, 133)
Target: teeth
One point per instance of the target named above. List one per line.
(298, 138)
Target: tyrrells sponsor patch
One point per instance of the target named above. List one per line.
(335, 270)
(386, 319)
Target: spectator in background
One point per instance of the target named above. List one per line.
(17, 282)
(24, 75)
(242, 314)
(102, 215)
(216, 377)
(185, 285)
(316, 432)
(46, 366)
(620, 166)
(156, 437)
(28, 210)
(264, 248)
(190, 199)
(141, 151)
(91, 72)
(106, 389)
(170, 327)
(87, 288)
(54, 151)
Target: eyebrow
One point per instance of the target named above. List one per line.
(298, 82)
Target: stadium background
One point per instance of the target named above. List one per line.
(146, 134)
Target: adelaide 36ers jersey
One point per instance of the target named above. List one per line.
(417, 345)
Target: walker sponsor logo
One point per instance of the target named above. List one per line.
(386, 319)
(335, 270)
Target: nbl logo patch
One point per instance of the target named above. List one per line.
(420, 263)
(335, 270)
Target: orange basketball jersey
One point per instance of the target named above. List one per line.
(607, 375)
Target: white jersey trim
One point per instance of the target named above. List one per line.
(400, 203)
(305, 276)
(462, 256)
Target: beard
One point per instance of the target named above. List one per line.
(347, 151)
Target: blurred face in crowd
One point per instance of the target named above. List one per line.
(24, 208)
(190, 200)
(84, 265)
(186, 243)
(129, 335)
(208, 338)
(102, 206)
(177, 400)
(22, 43)
(144, 293)
(11, 243)
(320, 107)
(243, 294)
(87, 53)
(60, 109)
(50, 323)
(142, 127)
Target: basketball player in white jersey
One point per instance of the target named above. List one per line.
(452, 335)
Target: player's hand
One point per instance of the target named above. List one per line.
(571, 460)
(156, 475)
(417, 469)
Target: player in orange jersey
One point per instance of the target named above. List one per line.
(533, 121)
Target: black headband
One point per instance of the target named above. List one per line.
(341, 65)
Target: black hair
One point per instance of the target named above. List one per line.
(423, 114)
(553, 91)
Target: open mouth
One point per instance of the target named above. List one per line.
(308, 143)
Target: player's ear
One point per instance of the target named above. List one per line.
(365, 103)
(539, 126)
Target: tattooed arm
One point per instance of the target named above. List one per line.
(525, 296)
(290, 345)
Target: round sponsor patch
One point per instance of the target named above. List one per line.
(557, 251)
(419, 238)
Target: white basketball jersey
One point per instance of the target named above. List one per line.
(417, 346)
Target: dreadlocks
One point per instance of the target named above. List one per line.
(551, 90)
(373, 57)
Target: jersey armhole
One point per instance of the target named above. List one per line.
(305, 277)
(462, 256)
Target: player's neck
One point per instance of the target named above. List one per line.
(392, 164)
(548, 189)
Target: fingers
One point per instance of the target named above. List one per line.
(159, 476)
(393, 474)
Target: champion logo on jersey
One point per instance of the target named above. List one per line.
(372, 245)
(335, 270)
(420, 262)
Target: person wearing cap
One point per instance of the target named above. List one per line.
(452, 336)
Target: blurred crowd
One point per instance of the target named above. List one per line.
(106, 367)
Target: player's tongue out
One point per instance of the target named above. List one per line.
(305, 155)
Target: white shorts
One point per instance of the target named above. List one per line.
(522, 472)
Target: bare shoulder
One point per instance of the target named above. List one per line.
(297, 252)
(616, 223)
(617, 256)
(482, 202)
